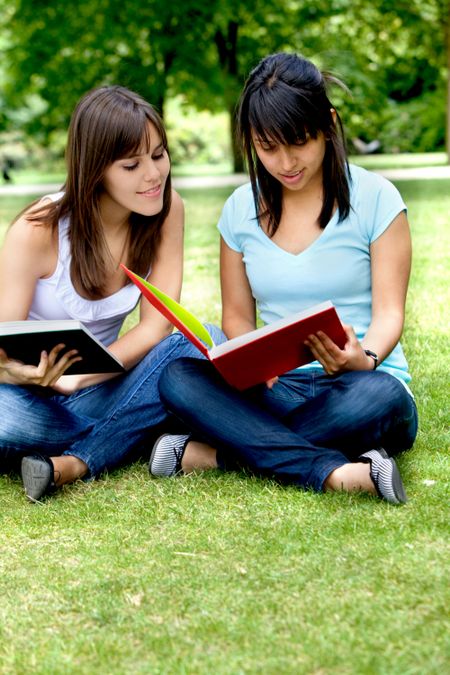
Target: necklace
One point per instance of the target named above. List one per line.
(116, 261)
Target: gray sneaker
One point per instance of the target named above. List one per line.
(167, 453)
(385, 476)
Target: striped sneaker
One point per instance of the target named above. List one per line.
(385, 476)
(167, 453)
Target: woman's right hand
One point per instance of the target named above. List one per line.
(45, 374)
(272, 381)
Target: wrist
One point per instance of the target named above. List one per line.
(372, 357)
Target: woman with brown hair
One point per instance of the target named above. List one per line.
(61, 260)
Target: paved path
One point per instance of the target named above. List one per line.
(233, 180)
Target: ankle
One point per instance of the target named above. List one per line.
(198, 457)
(351, 477)
(68, 468)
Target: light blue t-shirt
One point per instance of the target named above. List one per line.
(336, 266)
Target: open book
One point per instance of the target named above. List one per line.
(25, 340)
(256, 356)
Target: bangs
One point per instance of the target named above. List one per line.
(133, 137)
(292, 122)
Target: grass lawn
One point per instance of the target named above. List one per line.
(223, 573)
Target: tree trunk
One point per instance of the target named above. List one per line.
(227, 46)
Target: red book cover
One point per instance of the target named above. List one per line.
(276, 348)
(260, 354)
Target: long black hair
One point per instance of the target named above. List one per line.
(284, 100)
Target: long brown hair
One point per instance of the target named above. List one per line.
(109, 123)
(284, 99)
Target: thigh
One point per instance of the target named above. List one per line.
(138, 387)
(357, 411)
(129, 408)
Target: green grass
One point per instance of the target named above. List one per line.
(224, 573)
(401, 160)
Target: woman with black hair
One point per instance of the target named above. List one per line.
(307, 228)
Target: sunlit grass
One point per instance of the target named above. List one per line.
(407, 160)
(224, 573)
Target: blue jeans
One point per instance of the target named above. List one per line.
(104, 425)
(307, 426)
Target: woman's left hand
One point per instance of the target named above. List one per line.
(335, 360)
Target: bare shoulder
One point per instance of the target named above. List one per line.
(31, 242)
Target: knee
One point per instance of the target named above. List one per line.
(177, 380)
(382, 391)
(216, 333)
(389, 389)
(174, 378)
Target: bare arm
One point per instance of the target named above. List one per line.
(390, 267)
(238, 305)
(29, 253)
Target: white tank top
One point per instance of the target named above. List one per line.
(56, 298)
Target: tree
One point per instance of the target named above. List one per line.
(153, 48)
(57, 51)
(243, 33)
(392, 56)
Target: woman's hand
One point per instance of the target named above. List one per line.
(335, 360)
(45, 374)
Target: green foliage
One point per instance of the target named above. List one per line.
(418, 124)
(196, 137)
(392, 56)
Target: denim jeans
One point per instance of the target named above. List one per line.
(105, 425)
(300, 431)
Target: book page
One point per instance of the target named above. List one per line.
(269, 328)
(172, 310)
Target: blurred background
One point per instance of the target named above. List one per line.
(190, 59)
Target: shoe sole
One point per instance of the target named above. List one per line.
(30, 470)
(397, 483)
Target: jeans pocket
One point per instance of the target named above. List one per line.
(286, 395)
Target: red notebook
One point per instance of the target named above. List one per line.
(256, 356)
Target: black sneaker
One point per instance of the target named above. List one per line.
(167, 453)
(385, 476)
(37, 476)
